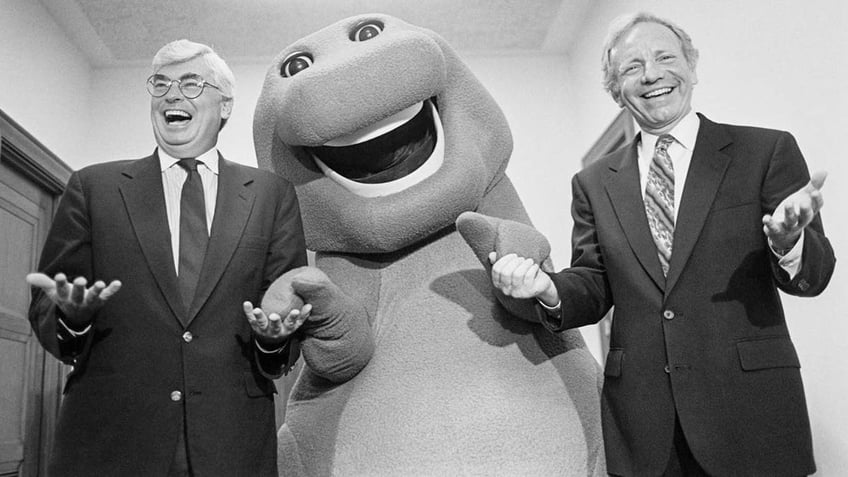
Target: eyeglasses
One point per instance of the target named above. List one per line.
(190, 86)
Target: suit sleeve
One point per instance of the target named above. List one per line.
(287, 250)
(583, 288)
(66, 250)
(787, 172)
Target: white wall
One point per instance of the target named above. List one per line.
(763, 62)
(44, 80)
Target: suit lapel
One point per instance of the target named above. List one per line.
(622, 186)
(706, 172)
(233, 206)
(144, 200)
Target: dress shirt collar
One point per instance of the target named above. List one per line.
(684, 133)
(209, 159)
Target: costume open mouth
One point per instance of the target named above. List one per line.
(387, 157)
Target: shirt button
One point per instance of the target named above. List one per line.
(176, 396)
(667, 369)
(187, 337)
(668, 315)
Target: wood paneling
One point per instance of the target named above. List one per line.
(31, 179)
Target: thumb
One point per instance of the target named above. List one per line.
(40, 280)
(817, 180)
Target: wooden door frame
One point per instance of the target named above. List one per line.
(24, 154)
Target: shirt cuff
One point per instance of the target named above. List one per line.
(791, 260)
(71, 332)
(274, 351)
(551, 310)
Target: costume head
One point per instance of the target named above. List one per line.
(388, 108)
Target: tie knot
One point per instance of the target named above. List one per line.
(189, 164)
(663, 142)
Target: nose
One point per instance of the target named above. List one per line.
(652, 72)
(174, 92)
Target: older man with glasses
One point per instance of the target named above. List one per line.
(146, 284)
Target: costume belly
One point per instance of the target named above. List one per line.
(455, 385)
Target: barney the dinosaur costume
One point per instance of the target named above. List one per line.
(414, 365)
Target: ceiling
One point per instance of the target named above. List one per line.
(116, 33)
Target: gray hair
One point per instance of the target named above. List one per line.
(180, 51)
(620, 26)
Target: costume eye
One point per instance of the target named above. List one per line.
(366, 31)
(295, 63)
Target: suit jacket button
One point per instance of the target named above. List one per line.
(187, 337)
(176, 396)
(803, 285)
(667, 369)
(668, 315)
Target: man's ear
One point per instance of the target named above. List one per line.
(226, 108)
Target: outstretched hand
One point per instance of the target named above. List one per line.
(272, 330)
(76, 302)
(521, 277)
(795, 212)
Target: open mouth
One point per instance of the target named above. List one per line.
(177, 117)
(658, 92)
(387, 157)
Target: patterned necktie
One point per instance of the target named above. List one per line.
(659, 200)
(193, 231)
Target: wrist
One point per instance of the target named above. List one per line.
(549, 297)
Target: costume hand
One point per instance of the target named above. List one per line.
(795, 212)
(272, 330)
(76, 302)
(521, 277)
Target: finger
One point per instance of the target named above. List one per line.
(92, 295)
(111, 290)
(261, 318)
(305, 312)
(519, 275)
(63, 289)
(78, 290)
(493, 257)
(247, 307)
(275, 324)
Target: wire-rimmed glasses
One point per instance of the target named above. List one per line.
(190, 86)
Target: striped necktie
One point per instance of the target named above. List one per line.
(194, 234)
(659, 200)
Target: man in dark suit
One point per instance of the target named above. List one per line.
(172, 366)
(688, 232)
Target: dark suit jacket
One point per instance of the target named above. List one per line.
(121, 413)
(709, 342)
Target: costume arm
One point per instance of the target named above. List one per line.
(787, 172)
(287, 250)
(67, 250)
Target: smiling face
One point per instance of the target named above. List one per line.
(654, 79)
(188, 127)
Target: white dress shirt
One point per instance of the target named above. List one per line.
(173, 177)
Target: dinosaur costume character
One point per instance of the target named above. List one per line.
(414, 366)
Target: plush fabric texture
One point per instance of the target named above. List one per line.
(455, 383)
